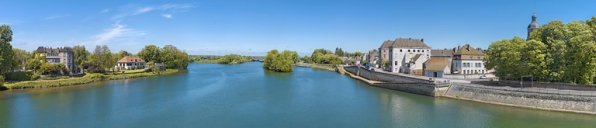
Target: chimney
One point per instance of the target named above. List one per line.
(458, 46)
(410, 38)
(422, 40)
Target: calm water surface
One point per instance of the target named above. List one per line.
(212, 95)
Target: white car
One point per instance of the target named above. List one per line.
(483, 77)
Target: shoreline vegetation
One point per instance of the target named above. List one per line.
(89, 78)
(66, 65)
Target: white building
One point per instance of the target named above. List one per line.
(401, 51)
(467, 60)
(415, 65)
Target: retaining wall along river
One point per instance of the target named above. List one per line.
(399, 82)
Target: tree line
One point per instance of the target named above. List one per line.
(341, 53)
(555, 52)
(322, 56)
(234, 59)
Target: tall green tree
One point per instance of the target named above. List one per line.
(581, 67)
(151, 53)
(6, 53)
(592, 24)
(81, 55)
(554, 37)
(504, 57)
(102, 56)
(533, 58)
(20, 58)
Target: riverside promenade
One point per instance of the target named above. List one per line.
(551, 97)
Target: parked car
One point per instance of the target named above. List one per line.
(483, 77)
(372, 69)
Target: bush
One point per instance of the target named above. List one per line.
(2, 87)
(21, 76)
(93, 68)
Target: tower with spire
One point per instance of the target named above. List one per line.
(533, 26)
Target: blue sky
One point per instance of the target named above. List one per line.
(218, 27)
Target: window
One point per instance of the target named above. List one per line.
(418, 50)
(395, 62)
(399, 50)
(471, 57)
(408, 50)
(478, 57)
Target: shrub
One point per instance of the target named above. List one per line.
(2, 87)
(21, 76)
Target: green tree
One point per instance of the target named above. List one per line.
(592, 24)
(504, 57)
(121, 55)
(33, 64)
(81, 55)
(6, 53)
(295, 56)
(46, 68)
(279, 62)
(20, 58)
(151, 53)
(357, 54)
(232, 59)
(533, 55)
(581, 67)
(102, 56)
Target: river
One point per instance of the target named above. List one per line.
(245, 95)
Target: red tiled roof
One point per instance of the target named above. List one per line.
(127, 59)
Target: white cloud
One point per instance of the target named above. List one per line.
(142, 10)
(116, 31)
(131, 11)
(175, 6)
(56, 16)
(166, 15)
(105, 10)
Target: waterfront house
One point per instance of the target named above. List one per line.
(372, 57)
(401, 51)
(467, 60)
(415, 64)
(128, 62)
(437, 67)
(59, 55)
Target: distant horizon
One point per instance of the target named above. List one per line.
(255, 27)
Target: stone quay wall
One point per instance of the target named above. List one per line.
(399, 82)
(563, 86)
(382, 76)
(536, 100)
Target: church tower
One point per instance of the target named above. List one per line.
(534, 25)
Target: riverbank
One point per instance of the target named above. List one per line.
(549, 99)
(89, 78)
(328, 67)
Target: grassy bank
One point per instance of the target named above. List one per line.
(82, 80)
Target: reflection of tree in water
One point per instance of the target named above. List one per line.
(283, 75)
